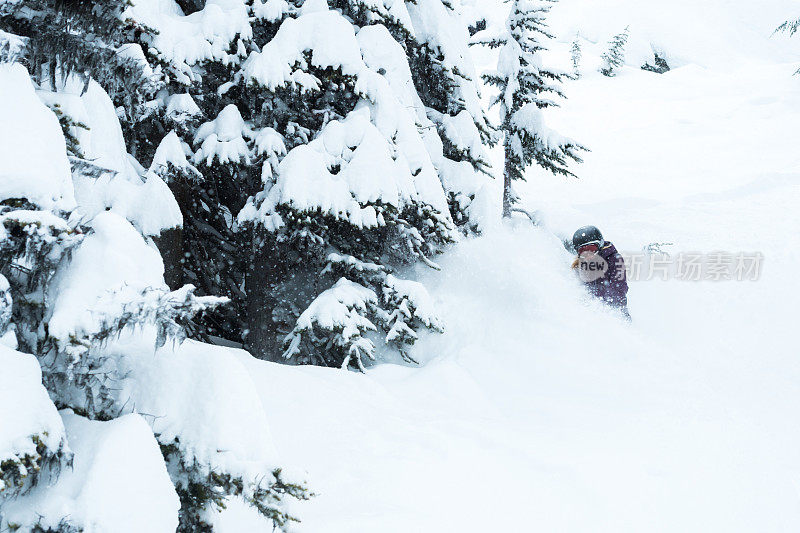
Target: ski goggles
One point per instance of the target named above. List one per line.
(589, 247)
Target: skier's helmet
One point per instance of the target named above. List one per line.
(587, 235)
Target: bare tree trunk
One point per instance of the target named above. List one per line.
(264, 272)
(170, 244)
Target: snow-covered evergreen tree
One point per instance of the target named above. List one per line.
(575, 55)
(318, 200)
(526, 88)
(434, 35)
(276, 83)
(107, 334)
(446, 81)
(87, 38)
(614, 57)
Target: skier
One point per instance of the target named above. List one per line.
(601, 267)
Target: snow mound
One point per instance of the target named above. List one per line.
(325, 34)
(170, 151)
(382, 53)
(31, 432)
(115, 181)
(118, 482)
(195, 396)
(202, 397)
(33, 156)
(270, 10)
(222, 139)
(181, 107)
(344, 172)
(442, 26)
(128, 264)
(183, 41)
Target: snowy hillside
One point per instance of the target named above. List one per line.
(424, 365)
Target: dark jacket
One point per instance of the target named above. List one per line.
(613, 286)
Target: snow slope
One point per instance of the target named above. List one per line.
(539, 410)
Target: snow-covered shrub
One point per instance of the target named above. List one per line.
(614, 57)
(659, 66)
(32, 147)
(321, 200)
(105, 176)
(115, 331)
(89, 306)
(69, 127)
(335, 329)
(526, 88)
(335, 326)
(33, 244)
(200, 54)
(170, 162)
(12, 47)
(411, 309)
(35, 193)
(203, 492)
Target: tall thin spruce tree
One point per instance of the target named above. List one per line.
(576, 53)
(614, 57)
(526, 88)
